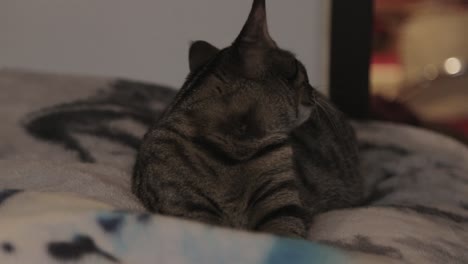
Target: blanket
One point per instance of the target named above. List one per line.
(67, 148)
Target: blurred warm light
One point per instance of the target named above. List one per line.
(453, 66)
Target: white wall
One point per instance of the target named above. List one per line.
(147, 39)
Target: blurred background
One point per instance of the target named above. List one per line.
(420, 64)
(419, 68)
(148, 39)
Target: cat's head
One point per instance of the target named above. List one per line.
(251, 80)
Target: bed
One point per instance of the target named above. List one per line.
(66, 154)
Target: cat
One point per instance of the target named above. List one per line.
(248, 143)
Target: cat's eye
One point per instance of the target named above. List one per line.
(292, 71)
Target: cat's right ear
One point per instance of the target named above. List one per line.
(200, 53)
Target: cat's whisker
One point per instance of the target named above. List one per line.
(325, 107)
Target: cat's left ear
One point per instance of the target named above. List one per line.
(200, 53)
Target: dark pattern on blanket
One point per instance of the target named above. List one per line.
(5, 194)
(132, 101)
(364, 244)
(74, 250)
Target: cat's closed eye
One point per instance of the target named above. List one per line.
(292, 72)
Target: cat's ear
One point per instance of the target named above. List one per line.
(200, 53)
(252, 46)
(255, 31)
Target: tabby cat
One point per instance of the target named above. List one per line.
(248, 143)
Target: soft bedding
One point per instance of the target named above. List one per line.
(66, 152)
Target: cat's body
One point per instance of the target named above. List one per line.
(248, 143)
(326, 159)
